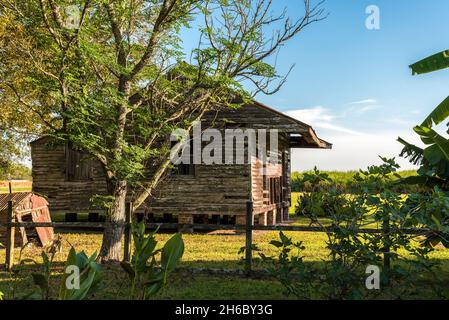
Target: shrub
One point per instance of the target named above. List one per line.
(351, 250)
(146, 277)
(89, 277)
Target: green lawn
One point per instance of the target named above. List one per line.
(217, 251)
(15, 189)
(202, 250)
(295, 196)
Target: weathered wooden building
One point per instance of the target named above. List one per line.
(193, 192)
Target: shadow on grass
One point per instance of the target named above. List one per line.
(219, 283)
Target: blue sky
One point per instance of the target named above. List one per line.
(354, 85)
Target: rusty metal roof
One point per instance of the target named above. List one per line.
(16, 197)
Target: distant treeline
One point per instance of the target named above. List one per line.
(15, 172)
(344, 181)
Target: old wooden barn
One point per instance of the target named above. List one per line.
(194, 192)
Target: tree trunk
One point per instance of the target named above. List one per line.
(111, 248)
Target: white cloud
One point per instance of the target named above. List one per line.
(367, 108)
(311, 115)
(362, 106)
(366, 101)
(320, 117)
(353, 152)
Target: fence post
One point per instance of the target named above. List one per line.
(249, 237)
(10, 235)
(128, 221)
(386, 249)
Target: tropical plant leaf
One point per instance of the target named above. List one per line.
(411, 152)
(172, 253)
(90, 276)
(431, 137)
(438, 115)
(71, 260)
(435, 62)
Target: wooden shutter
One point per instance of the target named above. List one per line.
(78, 166)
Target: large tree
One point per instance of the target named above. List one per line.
(112, 79)
(17, 122)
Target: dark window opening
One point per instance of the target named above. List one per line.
(78, 166)
(185, 169)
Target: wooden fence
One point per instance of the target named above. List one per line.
(248, 228)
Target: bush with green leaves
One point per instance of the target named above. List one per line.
(324, 198)
(373, 203)
(289, 268)
(146, 275)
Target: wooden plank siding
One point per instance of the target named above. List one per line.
(210, 190)
(50, 179)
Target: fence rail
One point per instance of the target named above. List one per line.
(248, 229)
(202, 227)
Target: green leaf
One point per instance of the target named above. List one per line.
(285, 240)
(276, 243)
(435, 62)
(172, 253)
(153, 285)
(438, 115)
(431, 137)
(411, 152)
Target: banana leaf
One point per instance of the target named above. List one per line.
(432, 138)
(433, 63)
(411, 152)
(438, 115)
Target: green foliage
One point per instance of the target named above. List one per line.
(289, 268)
(373, 201)
(344, 181)
(117, 84)
(146, 276)
(434, 157)
(89, 277)
(433, 63)
(14, 171)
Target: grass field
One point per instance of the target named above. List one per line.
(16, 186)
(218, 251)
